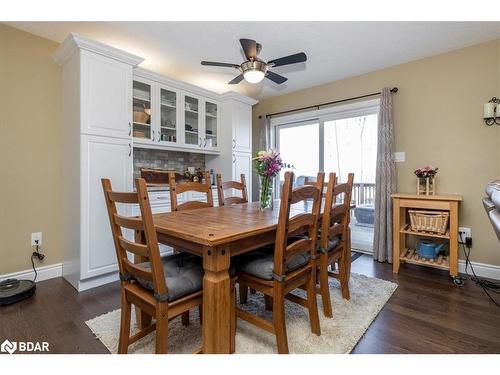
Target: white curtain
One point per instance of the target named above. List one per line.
(385, 180)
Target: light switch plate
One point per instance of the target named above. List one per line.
(399, 157)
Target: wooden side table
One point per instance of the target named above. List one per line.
(401, 228)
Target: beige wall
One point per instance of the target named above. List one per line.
(30, 148)
(438, 121)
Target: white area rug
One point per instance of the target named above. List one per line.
(338, 335)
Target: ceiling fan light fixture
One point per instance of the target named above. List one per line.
(253, 76)
(254, 71)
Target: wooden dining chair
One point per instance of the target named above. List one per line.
(335, 241)
(290, 265)
(175, 190)
(163, 288)
(200, 187)
(221, 186)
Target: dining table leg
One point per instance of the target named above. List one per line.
(216, 300)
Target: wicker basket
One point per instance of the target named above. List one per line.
(429, 221)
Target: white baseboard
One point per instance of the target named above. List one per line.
(44, 273)
(481, 269)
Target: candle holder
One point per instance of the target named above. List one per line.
(492, 112)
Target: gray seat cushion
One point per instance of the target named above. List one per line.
(183, 273)
(260, 263)
(332, 243)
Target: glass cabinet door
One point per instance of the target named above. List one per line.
(211, 136)
(168, 113)
(191, 121)
(142, 110)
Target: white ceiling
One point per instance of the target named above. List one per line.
(335, 50)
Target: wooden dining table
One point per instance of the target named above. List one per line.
(218, 234)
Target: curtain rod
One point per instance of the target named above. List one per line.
(317, 106)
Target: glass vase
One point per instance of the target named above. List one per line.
(266, 193)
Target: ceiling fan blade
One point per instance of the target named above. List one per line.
(276, 77)
(292, 59)
(250, 48)
(212, 63)
(236, 80)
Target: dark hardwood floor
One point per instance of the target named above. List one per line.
(426, 314)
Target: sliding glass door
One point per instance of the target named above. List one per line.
(298, 145)
(350, 146)
(341, 143)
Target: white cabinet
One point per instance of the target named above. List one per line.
(97, 143)
(200, 119)
(211, 128)
(106, 86)
(174, 119)
(96, 240)
(168, 131)
(235, 140)
(143, 120)
(242, 163)
(242, 127)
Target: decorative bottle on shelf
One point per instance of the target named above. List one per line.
(212, 177)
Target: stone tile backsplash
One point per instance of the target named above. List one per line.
(173, 160)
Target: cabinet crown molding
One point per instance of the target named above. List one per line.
(231, 95)
(74, 41)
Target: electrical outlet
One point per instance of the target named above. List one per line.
(36, 239)
(463, 233)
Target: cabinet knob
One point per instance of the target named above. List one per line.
(153, 134)
(129, 149)
(234, 158)
(234, 143)
(129, 128)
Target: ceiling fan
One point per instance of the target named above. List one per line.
(254, 70)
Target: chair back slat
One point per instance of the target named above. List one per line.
(119, 197)
(128, 222)
(191, 186)
(344, 188)
(134, 248)
(234, 200)
(303, 193)
(336, 230)
(199, 187)
(192, 205)
(138, 271)
(241, 186)
(297, 247)
(336, 216)
(143, 225)
(301, 223)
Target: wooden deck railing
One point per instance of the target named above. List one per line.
(363, 193)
